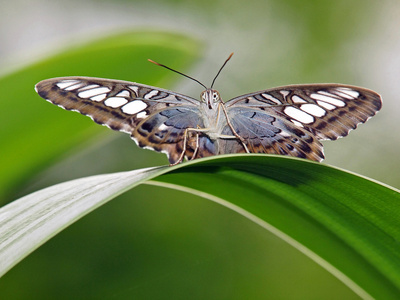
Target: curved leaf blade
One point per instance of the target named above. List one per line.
(30, 221)
(346, 223)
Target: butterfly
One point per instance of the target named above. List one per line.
(289, 120)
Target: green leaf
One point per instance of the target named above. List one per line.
(347, 224)
(30, 221)
(38, 132)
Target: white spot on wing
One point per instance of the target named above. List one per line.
(93, 92)
(328, 94)
(99, 98)
(151, 94)
(313, 109)
(141, 115)
(66, 83)
(297, 123)
(330, 100)
(297, 99)
(115, 102)
(299, 115)
(88, 87)
(135, 89)
(123, 93)
(326, 105)
(148, 148)
(284, 93)
(165, 152)
(162, 127)
(135, 140)
(348, 93)
(285, 133)
(343, 95)
(74, 87)
(145, 147)
(269, 97)
(134, 107)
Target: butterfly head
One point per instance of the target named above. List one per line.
(210, 97)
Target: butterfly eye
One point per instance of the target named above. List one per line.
(215, 97)
(203, 97)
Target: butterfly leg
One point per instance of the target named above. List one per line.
(185, 141)
(197, 147)
(181, 157)
(233, 129)
(197, 144)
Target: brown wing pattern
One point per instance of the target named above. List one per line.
(267, 132)
(120, 105)
(155, 118)
(328, 111)
(291, 120)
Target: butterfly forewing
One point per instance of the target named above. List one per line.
(149, 114)
(328, 111)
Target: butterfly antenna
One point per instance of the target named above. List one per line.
(212, 84)
(164, 66)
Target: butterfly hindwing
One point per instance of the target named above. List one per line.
(164, 131)
(268, 132)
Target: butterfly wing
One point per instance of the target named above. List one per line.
(291, 120)
(155, 118)
(267, 132)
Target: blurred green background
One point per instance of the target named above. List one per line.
(154, 243)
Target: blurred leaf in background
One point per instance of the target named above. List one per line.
(167, 236)
(39, 133)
